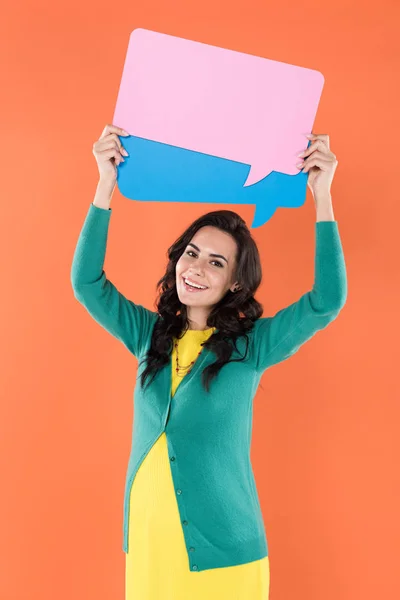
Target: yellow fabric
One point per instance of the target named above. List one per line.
(157, 562)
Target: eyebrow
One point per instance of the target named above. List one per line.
(217, 255)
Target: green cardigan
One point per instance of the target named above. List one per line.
(209, 435)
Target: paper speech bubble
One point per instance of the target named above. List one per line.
(156, 171)
(219, 102)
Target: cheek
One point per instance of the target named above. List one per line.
(217, 280)
(180, 265)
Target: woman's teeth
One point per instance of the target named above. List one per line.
(192, 288)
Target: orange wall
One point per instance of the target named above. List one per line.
(325, 437)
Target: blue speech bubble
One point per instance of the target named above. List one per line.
(159, 172)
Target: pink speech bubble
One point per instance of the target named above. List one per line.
(220, 102)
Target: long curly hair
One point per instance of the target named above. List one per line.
(233, 315)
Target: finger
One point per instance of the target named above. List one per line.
(108, 151)
(322, 155)
(114, 154)
(319, 136)
(113, 129)
(322, 164)
(318, 145)
(111, 140)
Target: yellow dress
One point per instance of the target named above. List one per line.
(156, 565)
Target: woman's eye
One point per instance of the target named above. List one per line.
(216, 261)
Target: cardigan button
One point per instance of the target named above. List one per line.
(179, 492)
(191, 549)
(184, 522)
(172, 457)
(194, 567)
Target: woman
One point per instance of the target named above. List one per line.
(193, 526)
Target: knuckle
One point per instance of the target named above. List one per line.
(117, 140)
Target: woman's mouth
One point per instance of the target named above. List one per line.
(192, 289)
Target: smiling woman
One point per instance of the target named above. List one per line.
(216, 251)
(192, 522)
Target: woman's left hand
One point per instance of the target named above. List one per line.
(320, 163)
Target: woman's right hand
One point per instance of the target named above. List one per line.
(108, 152)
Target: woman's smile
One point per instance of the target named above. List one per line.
(192, 289)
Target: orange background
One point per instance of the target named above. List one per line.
(326, 423)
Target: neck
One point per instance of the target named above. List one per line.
(197, 318)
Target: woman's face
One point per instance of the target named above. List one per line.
(200, 266)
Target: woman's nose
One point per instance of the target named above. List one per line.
(197, 266)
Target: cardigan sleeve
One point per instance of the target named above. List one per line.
(279, 337)
(125, 320)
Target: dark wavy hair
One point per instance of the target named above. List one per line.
(233, 315)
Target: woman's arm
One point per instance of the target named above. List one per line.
(279, 337)
(125, 320)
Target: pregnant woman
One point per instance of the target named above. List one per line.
(192, 523)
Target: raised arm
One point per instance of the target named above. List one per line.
(277, 338)
(125, 320)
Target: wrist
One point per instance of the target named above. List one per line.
(324, 208)
(106, 183)
(104, 192)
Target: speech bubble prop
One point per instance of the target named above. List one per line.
(159, 172)
(219, 102)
